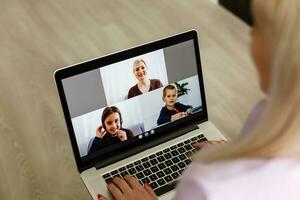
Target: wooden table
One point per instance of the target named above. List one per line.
(38, 37)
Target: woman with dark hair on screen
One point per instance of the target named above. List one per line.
(111, 131)
(264, 164)
(144, 84)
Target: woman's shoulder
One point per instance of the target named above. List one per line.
(156, 82)
(241, 177)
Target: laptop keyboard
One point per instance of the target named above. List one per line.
(162, 168)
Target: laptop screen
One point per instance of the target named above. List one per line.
(117, 104)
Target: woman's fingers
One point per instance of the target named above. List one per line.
(101, 197)
(122, 184)
(199, 145)
(132, 181)
(115, 191)
(150, 190)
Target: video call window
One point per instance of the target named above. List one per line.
(113, 104)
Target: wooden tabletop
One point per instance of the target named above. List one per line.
(38, 37)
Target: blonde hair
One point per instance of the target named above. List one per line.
(278, 133)
(136, 62)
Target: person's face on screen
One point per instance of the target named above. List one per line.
(140, 71)
(170, 97)
(112, 123)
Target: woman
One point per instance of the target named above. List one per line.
(266, 163)
(111, 131)
(144, 84)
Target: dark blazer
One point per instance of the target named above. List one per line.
(107, 140)
(165, 113)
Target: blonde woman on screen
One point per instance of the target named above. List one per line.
(266, 163)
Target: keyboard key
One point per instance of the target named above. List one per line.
(160, 174)
(168, 163)
(187, 142)
(159, 153)
(105, 176)
(152, 156)
(174, 168)
(181, 150)
(139, 175)
(132, 171)
(200, 136)
(168, 179)
(173, 147)
(161, 166)
(166, 150)
(153, 185)
(188, 154)
(175, 175)
(180, 144)
(188, 147)
(108, 180)
(181, 165)
(124, 173)
(129, 166)
(175, 160)
(182, 157)
(187, 161)
(154, 169)
(122, 169)
(147, 172)
(161, 182)
(153, 177)
(174, 153)
(117, 175)
(139, 168)
(146, 164)
(161, 159)
(168, 156)
(164, 189)
(167, 171)
(194, 138)
(153, 161)
(145, 159)
(114, 172)
(137, 162)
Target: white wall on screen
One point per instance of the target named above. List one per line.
(118, 78)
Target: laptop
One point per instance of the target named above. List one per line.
(124, 117)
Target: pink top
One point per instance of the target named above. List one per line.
(241, 180)
(253, 179)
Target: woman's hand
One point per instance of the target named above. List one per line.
(100, 131)
(122, 135)
(208, 144)
(129, 189)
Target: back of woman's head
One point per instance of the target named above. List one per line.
(278, 132)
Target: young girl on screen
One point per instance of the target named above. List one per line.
(172, 110)
(111, 131)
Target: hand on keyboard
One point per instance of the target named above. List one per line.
(208, 144)
(129, 188)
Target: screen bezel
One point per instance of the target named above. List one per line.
(175, 128)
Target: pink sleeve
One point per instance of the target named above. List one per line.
(188, 189)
